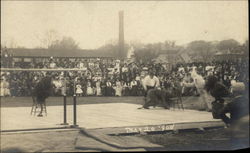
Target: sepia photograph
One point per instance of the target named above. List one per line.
(125, 75)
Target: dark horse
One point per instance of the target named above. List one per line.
(156, 97)
(162, 97)
(41, 91)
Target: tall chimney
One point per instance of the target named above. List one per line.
(121, 35)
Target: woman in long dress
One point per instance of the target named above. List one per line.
(118, 88)
(7, 88)
(89, 88)
(2, 87)
(98, 88)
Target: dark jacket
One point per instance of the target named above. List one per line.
(237, 108)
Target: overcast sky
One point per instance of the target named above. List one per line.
(92, 24)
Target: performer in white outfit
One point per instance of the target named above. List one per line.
(205, 98)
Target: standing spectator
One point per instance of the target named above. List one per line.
(134, 88)
(126, 86)
(79, 91)
(13, 87)
(90, 91)
(103, 87)
(6, 87)
(2, 87)
(118, 88)
(109, 89)
(98, 88)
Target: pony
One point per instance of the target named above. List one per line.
(42, 91)
(157, 97)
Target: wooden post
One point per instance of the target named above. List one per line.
(74, 111)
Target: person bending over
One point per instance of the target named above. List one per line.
(237, 108)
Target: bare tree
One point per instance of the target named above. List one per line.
(65, 44)
(48, 38)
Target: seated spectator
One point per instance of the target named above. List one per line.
(52, 64)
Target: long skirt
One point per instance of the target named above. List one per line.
(98, 91)
(118, 91)
(89, 91)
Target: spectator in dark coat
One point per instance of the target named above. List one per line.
(238, 108)
(103, 87)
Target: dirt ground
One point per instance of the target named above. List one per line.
(213, 139)
(64, 141)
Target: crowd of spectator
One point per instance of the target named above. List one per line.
(98, 77)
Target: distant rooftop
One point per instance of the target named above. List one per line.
(24, 52)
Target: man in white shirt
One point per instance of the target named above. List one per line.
(150, 82)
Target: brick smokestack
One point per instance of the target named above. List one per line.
(121, 35)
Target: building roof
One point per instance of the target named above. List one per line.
(24, 52)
